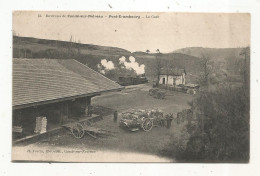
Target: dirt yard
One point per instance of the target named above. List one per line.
(136, 97)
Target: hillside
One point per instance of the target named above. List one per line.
(43, 44)
(214, 53)
(91, 55)
(27, 47)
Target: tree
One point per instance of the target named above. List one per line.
(147, 51)
(220, 129)
(158, 65)
(71, 47)
(222, 132)
(206, 70)
(169, 68)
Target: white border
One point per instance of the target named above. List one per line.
(8, 168)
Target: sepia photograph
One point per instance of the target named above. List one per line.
(153, 87)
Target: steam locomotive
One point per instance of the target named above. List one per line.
(132, 80)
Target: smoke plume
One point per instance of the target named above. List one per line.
(105, 66)
(132, 65)
(108, 65)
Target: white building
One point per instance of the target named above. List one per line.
(172, 77)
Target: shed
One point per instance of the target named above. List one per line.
(172, 76)
(57, 89)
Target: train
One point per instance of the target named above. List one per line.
(132, 80)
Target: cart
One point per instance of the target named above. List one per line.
(78, 129)
(153, 91)
(157, 93)
(157, 120)
(142, 119)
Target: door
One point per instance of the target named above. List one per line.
(163, 80)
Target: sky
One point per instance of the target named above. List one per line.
(164, 31)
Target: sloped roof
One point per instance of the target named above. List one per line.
(172, 71)
(40, 80)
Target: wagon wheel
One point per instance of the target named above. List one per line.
(147, 124)
(78, 131)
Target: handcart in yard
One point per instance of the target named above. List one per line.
(78, 129)
(157, 93)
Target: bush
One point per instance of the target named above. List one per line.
(176, 148)
(223, 126)
(220, 132)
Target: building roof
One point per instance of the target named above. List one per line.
(172, 71)
(41, 80)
